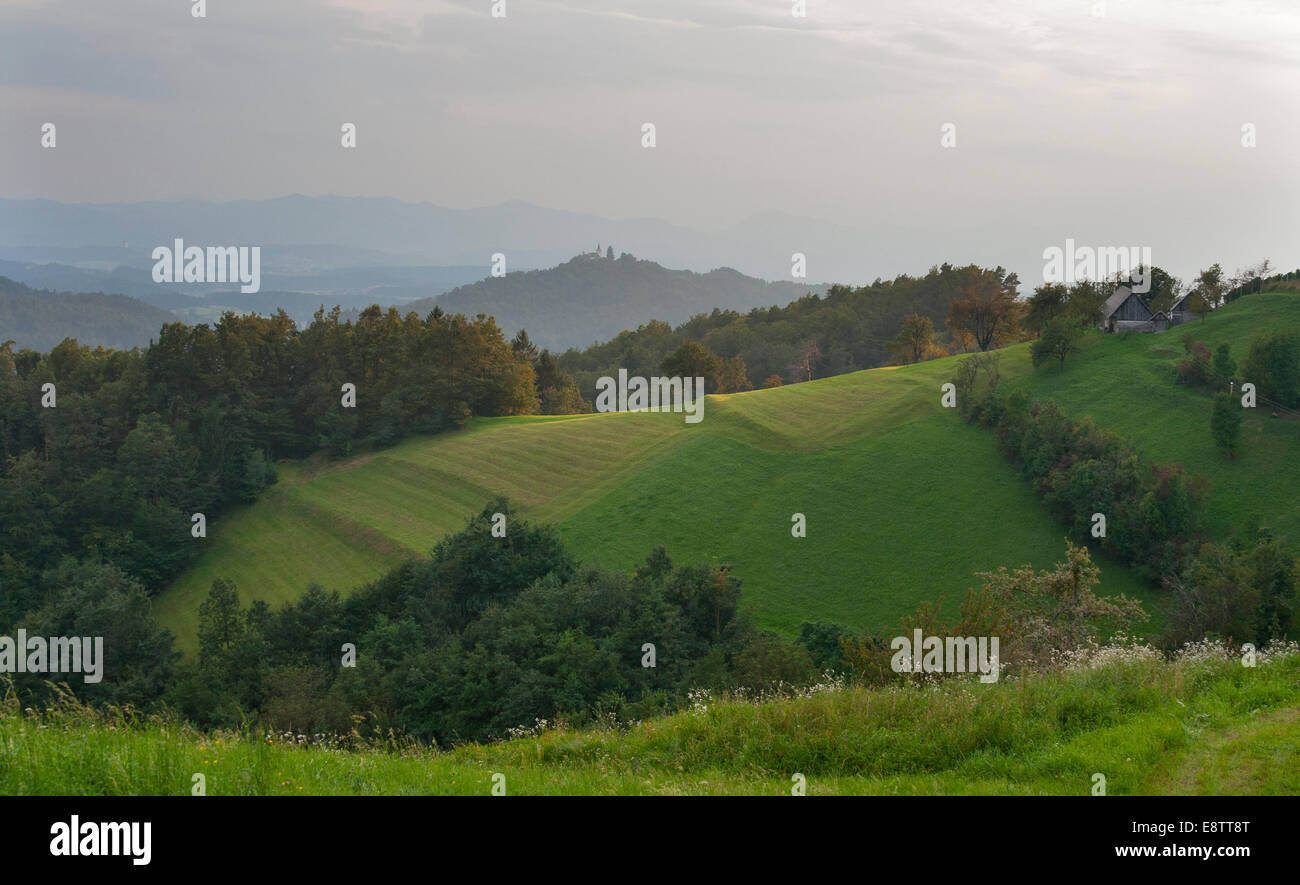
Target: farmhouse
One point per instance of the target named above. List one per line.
(1126, 311)
(1180, 312)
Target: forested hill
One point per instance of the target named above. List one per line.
(38, 319)
(594, 297)
(842, 330)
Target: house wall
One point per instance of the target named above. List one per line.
(1133, 316)
(1134, 326)
(1132, 310)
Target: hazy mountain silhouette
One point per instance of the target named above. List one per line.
(592, 297)
(300, 233)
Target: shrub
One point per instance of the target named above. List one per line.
(1151, 510)
(1273, 364)
(1225, 424)
(1195, 371)
(1224, 365)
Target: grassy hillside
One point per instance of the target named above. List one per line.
(1200, 725)
(1126, 383)
(904, 502)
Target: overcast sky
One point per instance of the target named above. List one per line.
(1119, 129)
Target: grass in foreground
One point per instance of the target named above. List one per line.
(1201, 725)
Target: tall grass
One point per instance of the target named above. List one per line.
(1202, 723)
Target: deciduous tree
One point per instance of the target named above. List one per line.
(1059, 339)
(915, 339)
(986, 308)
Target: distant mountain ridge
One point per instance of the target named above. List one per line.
(586, 299)
(333, 231)
(299, 294)
(592, 298)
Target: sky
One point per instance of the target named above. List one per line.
(1113, 123)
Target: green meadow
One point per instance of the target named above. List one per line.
(904, 502)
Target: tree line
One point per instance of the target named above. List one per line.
(847, 329)
(950, 310)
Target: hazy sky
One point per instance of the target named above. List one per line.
(1119, 129)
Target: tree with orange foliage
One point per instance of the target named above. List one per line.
(986, 308)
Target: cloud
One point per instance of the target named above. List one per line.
(1059, 113)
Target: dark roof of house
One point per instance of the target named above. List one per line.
(1113, 302)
